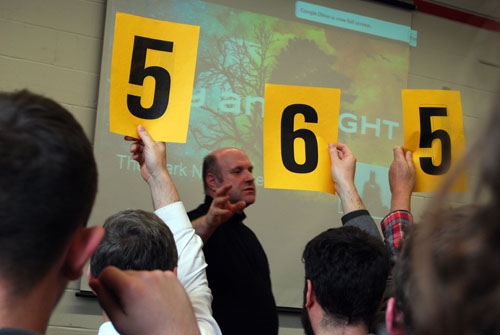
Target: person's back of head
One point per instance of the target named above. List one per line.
(459, 275)
(135, 240)
(458, 286)
(347, 269)
(451, 228)
(48, 183)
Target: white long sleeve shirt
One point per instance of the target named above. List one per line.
(190, 269)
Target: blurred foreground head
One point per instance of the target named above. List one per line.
(455, 268)
(48, 183)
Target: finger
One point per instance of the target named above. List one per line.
(130, 138)
(220, 212)
(107, 300)
(144, 135)
(238, 206)
(409, 156)
(223, 190)
(334, 155)
(108, 287)
(220, 201)
(409, 160)
(398, 153)
(136, 147)
(345, 151)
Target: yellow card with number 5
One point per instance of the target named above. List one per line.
(152, 76)
(434, 132)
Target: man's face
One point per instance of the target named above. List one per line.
(236, 169)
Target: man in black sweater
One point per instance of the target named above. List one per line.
(238, 269)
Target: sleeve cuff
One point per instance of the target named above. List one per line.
(175, 217)
(353, 215)
(400, 214)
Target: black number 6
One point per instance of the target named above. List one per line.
(427, 136)
(139, 71)
(289, 135)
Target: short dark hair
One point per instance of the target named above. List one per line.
(135, 240)
(48, 183)
(348, 269)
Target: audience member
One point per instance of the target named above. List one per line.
(133, 240)
(346, 268)
(457, 286)
(346, 271)
(151, 156)
(395, 226)
(446, 276)
(46, 156)
(238, 270)
(402, 178)
(453, 227)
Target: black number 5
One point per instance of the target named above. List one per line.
(427, 136)
(139, 71)
(289, 135)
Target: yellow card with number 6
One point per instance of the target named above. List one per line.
(299, 123)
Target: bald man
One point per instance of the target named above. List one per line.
(238, 269)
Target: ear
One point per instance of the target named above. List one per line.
(310, 296)
(212, 182)
(394, 319)
(89, 273)
(89, 277)
(82, 245)
(175, 271)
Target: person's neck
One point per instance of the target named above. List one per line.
(30, 311)
(347, 330)
(322, 326)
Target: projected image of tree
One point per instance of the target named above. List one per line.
(303, 63)
(232, 73)
(238, 69)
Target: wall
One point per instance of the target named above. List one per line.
(54, 48)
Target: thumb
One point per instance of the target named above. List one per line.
(107, 289)
(409, 159)
(144, 135)
(240, 205)
(332, 148)
(409, 155)
(398, 152)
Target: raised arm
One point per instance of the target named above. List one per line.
(402, 180)
(151, 156)
(343, 170)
